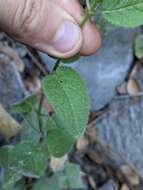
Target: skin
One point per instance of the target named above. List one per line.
(37, 23)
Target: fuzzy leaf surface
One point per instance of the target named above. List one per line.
(66, 93)
(127, 13)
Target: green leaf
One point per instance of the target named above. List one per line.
(47, 184)
(25, 106)
(26, 158)
(139, 46)
(127, 13)
(59, 140)
(10, 177)
(69, 178)
(66, 93)
(71, 59)
(20, 185)
(30, 131)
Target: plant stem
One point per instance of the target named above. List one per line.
(41, 114)
(85, 20)
(87, 17)
(56, 64)
(89, 12)
(32, 53)
(39, 111)
(40, 118)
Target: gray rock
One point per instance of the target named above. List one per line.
(11, 86)
(121, 129)
(111, 185)
(107, 69)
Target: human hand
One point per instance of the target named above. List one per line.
(51, 26)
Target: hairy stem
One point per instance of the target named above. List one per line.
(57, 64)
(40, 118)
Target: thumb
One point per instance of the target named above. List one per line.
(41, 24)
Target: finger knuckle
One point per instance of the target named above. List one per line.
(28, 16)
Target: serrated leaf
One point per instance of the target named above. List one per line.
(127, 13)
(67, 95)
(139, 46)
(25, 158)
(59, 141)
(26, 105)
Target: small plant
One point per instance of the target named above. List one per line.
(46, 135)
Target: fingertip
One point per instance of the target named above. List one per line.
(91, 39)
(91, 36)
(66, 43)
(68, 39)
